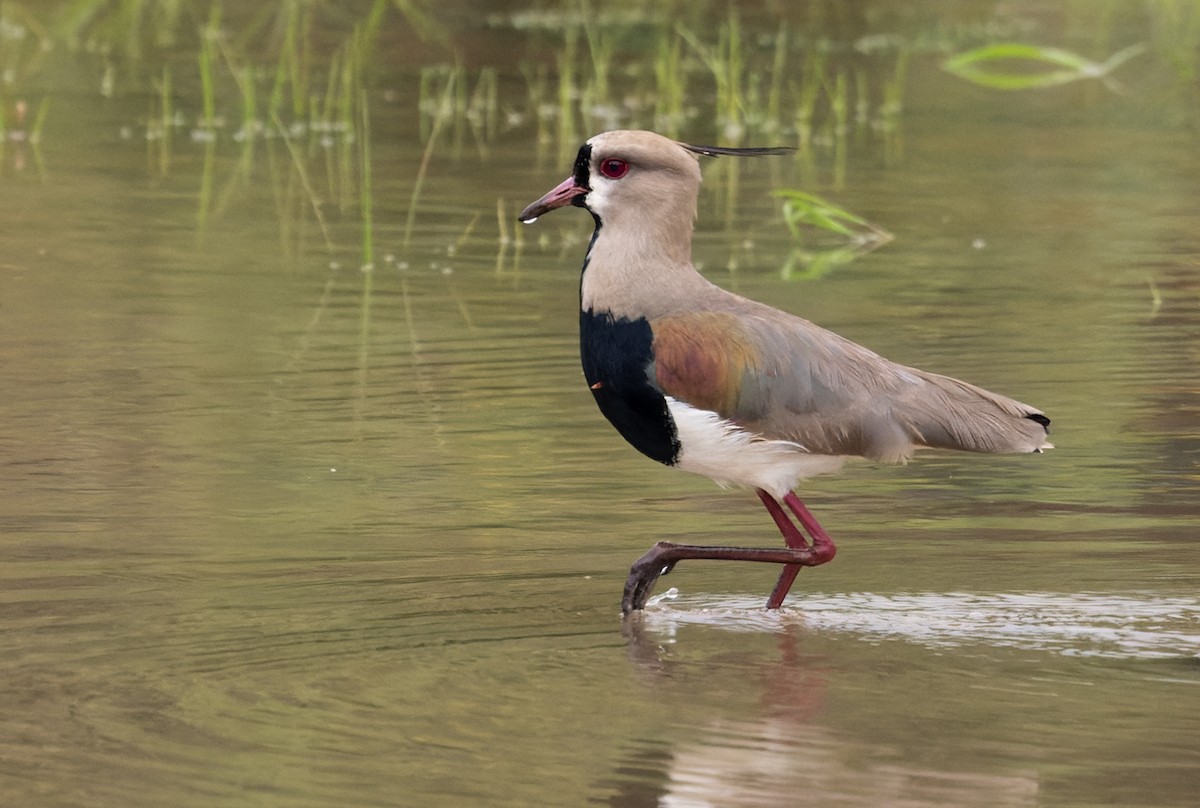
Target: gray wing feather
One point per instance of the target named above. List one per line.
(833, 396)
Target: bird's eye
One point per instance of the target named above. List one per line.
(614, 169)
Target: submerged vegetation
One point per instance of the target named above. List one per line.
(295, 86)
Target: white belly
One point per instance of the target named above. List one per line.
(729, 455)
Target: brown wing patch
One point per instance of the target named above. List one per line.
(702, 358)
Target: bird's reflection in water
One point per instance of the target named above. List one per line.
(777, 762)
(780, 753)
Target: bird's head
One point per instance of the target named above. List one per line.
(634, 174)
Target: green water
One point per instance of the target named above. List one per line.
(280, 530)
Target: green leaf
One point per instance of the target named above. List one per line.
(971, 65)
(800, 210)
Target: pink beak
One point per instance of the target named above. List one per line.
(560, 196)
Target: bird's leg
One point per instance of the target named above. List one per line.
(822, 544)
(822, 548)
(792, 537)
(663, 556)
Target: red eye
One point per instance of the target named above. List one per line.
(614, 169)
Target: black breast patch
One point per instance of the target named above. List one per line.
(618, 360)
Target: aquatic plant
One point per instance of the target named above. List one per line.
(1071, 66)
(803, 210)
(442, 112)
(216, 73)
(727, 66)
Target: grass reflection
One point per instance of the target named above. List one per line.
(1070, 66)
(808, 212)
(302, 73)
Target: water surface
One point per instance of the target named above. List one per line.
(281, 530)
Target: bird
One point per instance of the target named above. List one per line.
(707, 381)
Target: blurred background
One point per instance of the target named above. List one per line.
(305, 501)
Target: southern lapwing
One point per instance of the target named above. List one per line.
(707, 381)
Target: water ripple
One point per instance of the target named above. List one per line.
(1128, 626)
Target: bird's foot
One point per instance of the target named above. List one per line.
(644, 573)
(662, 558)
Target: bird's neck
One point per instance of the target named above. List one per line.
(639, 271)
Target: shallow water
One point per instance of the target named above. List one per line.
(1137, 626)
(280, 531)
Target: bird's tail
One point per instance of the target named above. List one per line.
(953, 414)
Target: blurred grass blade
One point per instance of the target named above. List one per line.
(423, 21)
(802, 210)
(442, 111)
(39, 122)
(208, 59)
(973, 65)
(302, 173)
(364, 187)
(810, 265)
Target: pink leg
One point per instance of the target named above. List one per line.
(663, 556)
(822, 546)
(791, 536)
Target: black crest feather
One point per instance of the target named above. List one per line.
(753, 151)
